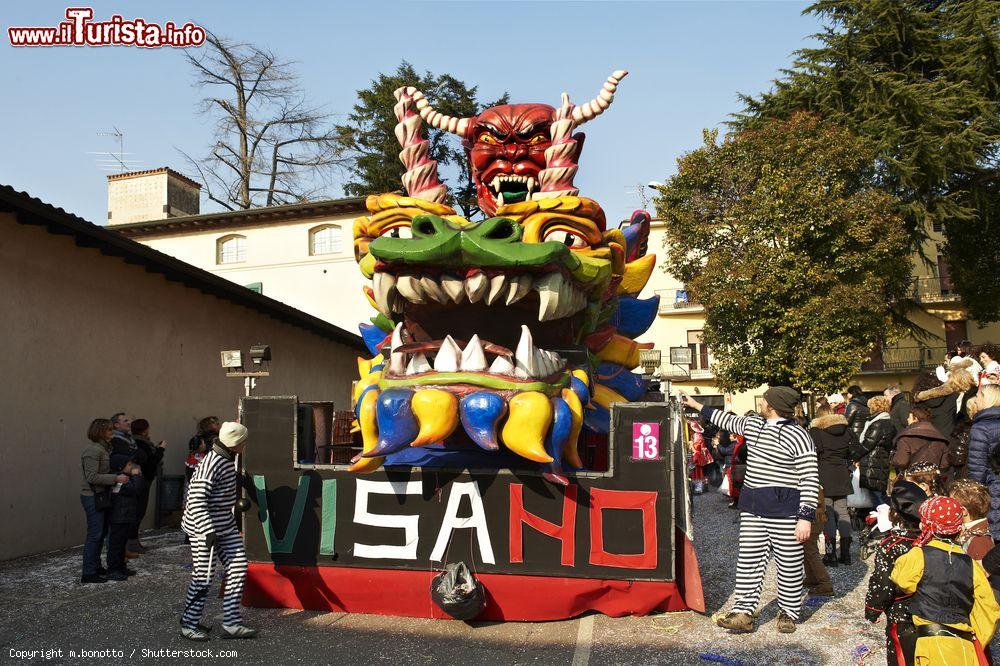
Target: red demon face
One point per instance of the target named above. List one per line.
(507, 150)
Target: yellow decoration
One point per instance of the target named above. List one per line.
(365, 382)
(367, 265)
(623, 351)
(570, 451)
(526, 427)
(637, 274)
(604, 396)
(365, 365)
(581, 374)
(437, 414)
(369, 435)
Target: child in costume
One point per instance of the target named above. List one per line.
(952, 604)
(700, 457)
(883, 596)
(926, 475)
(975, 500)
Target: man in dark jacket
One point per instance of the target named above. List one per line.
(148, 456)
(857, 410)
(899, 408)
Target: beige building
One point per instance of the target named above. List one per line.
(151, 195)
(940, 312)
(299, 254)
(94, 324)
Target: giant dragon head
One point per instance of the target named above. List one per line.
(497, 341)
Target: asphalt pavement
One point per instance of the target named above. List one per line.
(46, 613)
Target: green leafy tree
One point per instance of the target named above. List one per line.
(369, 134)
(796, 255)
(920, 80)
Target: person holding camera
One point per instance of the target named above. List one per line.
(95, 496)
(210, 523)
(148, 456)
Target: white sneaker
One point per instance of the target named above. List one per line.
(238, 631)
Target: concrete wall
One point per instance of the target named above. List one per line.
(327, 286)
(86, 335)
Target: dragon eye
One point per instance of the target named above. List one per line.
(537, 139)
(570, 239)
(486, 137)
(403, 231)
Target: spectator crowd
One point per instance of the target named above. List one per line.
(913, 479)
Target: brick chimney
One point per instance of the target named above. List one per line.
(154, 194)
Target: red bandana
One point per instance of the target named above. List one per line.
(940, 515)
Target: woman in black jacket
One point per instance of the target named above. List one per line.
(148, 456)
(875, 450)
(947, 404)
(834, 442)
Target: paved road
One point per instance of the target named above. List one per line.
(45, 608)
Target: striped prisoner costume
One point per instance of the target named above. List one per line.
(781, 486)
(209, 509)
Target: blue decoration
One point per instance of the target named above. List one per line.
(581, 390)
(562, 424)
(481, 413)
(373, 336)
(634, 316)
(621, 380)
(361, 399)
(397, 426)
(636, 234)
(597, 419)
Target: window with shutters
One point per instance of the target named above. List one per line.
(699, 351)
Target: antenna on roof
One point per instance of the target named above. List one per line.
(112, 161)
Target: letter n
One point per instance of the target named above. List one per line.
(566, 533)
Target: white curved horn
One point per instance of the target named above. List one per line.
(436, 119)
(599, 104)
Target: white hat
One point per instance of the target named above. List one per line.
(834, 398)
(232, 434)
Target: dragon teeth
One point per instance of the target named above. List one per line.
(497, 284)
(397, 360)
(524, 356)
(454, 287)
(410, 288)
(433, 290)
(475, 287)
(550, 291)
(518, 288)
(418, 364)
(447, 359)
(473, 358)
(383, 287)
(501, 366)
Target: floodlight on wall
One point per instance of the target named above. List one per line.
(232, 359)
(650, 360)
(260, 354)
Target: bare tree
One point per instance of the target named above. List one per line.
(271, 146)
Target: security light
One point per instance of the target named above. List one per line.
(232, 359)
(260, 353)
(650, 360)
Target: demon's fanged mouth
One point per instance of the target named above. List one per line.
(510, 188)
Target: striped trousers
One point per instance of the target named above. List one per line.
(229, 550)
(760, 540)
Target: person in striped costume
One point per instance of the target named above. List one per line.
(210, 523)
(777, 504)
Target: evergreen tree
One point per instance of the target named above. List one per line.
(920, 80)
(795, 253)
(369, 134)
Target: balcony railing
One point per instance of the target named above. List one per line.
(675, 299)
(934, 290)
(904, 359)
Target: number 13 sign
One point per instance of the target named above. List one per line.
(645, 441)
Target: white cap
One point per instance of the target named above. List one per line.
(834, 398)
(232, 434)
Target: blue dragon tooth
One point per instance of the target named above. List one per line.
(373, 337)
(481, 413)
(621, 380)
(562, 425)
(597, 419)
(581, 390)
(397, 426)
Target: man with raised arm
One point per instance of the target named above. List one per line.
(777, 504)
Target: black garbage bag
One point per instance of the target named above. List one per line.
(457, 592)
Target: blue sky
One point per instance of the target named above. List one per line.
(687, 62)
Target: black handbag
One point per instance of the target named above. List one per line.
(102, 498)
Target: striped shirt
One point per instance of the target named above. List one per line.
(211, 495)
(779, 454)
